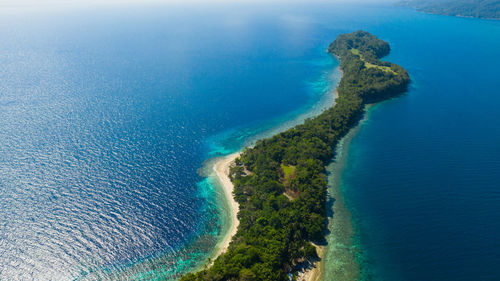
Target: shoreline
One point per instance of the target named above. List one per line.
(309, 156)
(341, 252)
(316, 270)
(221, 172)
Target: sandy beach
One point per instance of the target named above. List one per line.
(313, 273)
(221, 169)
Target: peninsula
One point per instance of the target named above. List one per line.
(280, 184)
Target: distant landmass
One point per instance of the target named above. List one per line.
(486, 9)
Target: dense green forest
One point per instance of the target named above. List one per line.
(280, 183)
(487, 9)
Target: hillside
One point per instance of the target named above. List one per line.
(486, 9)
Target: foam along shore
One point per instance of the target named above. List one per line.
(221, 169)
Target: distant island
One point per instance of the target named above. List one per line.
(280, 183)
(486, 9)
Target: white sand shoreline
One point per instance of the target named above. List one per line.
(221, 169)
(314, 272)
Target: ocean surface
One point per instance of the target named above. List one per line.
(422, 176)
(109, 115)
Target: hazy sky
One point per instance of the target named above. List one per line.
(34, 3)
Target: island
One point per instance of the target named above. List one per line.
(280, 183)
(485, 9)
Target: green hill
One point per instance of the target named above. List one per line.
(486, 9)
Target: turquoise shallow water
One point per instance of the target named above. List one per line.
(107, 115)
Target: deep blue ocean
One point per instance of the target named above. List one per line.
(108, 115)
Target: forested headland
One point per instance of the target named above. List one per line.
(280, 183)
(486, 9)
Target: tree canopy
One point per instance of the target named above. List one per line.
(487, 9)
(280, 183)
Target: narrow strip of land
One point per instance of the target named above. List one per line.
(280, 183)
